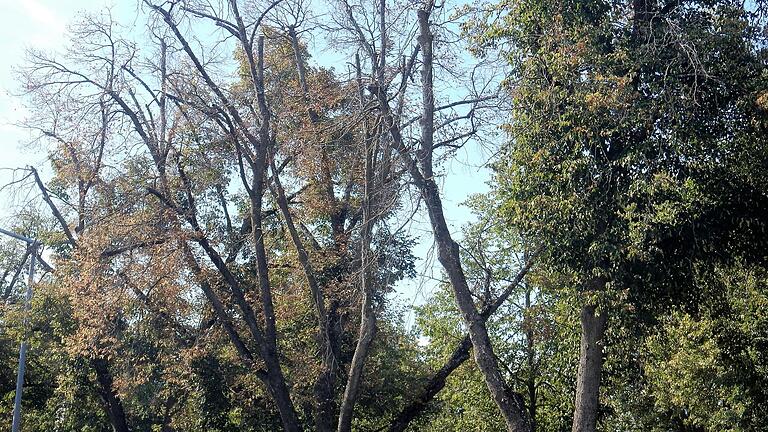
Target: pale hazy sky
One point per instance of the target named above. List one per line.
(25, 24)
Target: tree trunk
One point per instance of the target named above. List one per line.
(459, 356)
(351, 392)
(590, 367)
(325, 409)
(531, 360)
(367, 312)
(326, 381)
(112, 404)
(269, 351)
(280, 392)
(510, 403)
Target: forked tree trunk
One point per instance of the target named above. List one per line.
(460, 354)
(510, 403)
(590, 367)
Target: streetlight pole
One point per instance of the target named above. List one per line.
(33, 245)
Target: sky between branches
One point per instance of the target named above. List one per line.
(42, 24)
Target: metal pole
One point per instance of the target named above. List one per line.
(23, 350)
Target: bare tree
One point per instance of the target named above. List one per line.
(192, 135)
(419, 162)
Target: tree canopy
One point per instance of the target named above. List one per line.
(226, 217)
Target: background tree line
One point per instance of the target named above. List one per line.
(227, 218)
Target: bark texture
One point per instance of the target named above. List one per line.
(112, 404)
(367, 312)
(510, 403)
(590, 367)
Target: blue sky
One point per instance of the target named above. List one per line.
(22, 24)
(25, 24)
(42, 24)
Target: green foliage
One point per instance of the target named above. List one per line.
(638, 156)
(533, 333)
(629, 152)
(58, 393)
(465, 404)
(710, 369)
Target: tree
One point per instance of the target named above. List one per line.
(531, 332)
(170, 161)
(418, 160)
(626, 134)
(225, 217)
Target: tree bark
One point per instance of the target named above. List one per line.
(531, 363)
(367, 312)
(269, 351)
(266, 339)
(112, 404)
(590, 367)
(326, 381)
(325, 409)
(460, 354)
(510, 403)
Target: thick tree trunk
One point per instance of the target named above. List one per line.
(269, 351)
(459, 356)
(112, 404)
(325, 409)
(590, 366)
(532, 366)
(279, 390)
